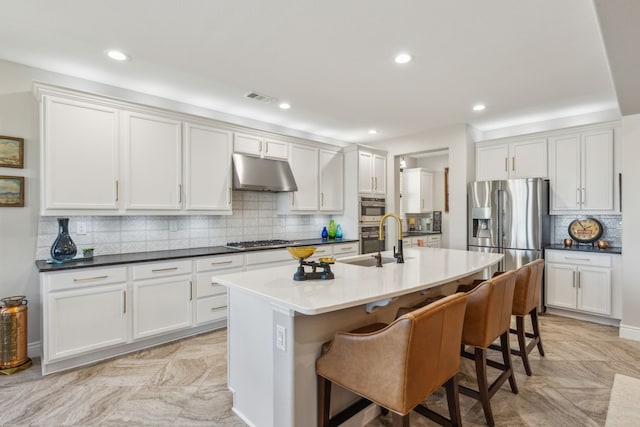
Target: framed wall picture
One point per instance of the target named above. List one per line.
(11, 152)
(12, 191)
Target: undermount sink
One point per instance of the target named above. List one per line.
(367, 261)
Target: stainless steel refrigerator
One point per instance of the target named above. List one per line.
(510, 217)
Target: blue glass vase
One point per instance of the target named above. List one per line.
(324, 233)
(63, 247)
(339, 232)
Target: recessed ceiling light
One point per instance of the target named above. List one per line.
(479, 107)
(403, 58)
(284, 105)
(117, 55)
(372, 131)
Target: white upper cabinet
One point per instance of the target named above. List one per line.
(304, 165)
(153, 157)
(331, 180)
(581, 172)
(510, 160)
(79, 156)
(207, 166)
(418, 190)
(319, 174)
(259, 146)
(372, 173)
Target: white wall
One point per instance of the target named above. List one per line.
(455, 140)
(19, 226)
(630, 324)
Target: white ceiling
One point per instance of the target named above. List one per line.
(528, 61)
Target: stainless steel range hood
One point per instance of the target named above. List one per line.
(259, 174)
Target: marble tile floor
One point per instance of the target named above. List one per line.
(184, 384)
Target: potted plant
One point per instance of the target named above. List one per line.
(87, 252)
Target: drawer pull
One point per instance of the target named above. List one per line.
(156, 270)
(346, 249)
(84, 279)
(221, 262)
(577, 259)
(216, 308)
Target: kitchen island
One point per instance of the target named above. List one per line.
(277, 325)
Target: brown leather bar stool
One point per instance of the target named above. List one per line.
(526, 298)
(397, 367)
(488, 316)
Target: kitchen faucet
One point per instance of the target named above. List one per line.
(397, 255)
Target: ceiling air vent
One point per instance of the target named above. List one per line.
(262, 98)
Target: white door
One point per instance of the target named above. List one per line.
(379, 175)
(331, 176)
(80, 155)
(250, 144)
(597, 170)
(565, 173)
(275, 149)
(594, 290)
(560, 285)
(492, 162)
(207, 168)
(304, 165)
(161, 305)
(365, 172)
(426, 191)
(154, 162)
(83, 320)
(528, 159)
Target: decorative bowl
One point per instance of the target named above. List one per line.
(301, 252)
(327, 260)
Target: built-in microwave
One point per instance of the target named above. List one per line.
(371, 209)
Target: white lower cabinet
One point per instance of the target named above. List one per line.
(271, 258)
(83, 311)
(211, 303)
(162, 295)
(583, 282)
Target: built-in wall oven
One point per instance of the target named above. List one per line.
(371, 212)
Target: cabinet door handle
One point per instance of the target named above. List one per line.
(582, 196)
(266, 147)
(513, 164)
(574, 279)
(190, 290)
(506, 164)
(577, 196)
(372, 184)
(156, 270)
(84, 279)
(578, 280)
(215, 284)
(229, 196)
(221, 262)
(260, 146)
(124, 302)
(117, 191)
(179, 193)
(321, 199)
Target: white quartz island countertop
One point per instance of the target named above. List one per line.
(276, 325)
(356, 285)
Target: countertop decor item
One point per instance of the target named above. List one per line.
(87, 252)
(63, 248)
(585, 230)
(567, 243)
(332, 229)
(325, 233)
(339, 234)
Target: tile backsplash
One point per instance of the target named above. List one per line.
(254, 218)
(612, 228)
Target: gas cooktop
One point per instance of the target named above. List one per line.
(261, 244)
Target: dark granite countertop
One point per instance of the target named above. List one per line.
(107, 260)
(585, 248)
(419, 233)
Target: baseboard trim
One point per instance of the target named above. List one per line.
(34, 349)
(629, 332)
(584, 316)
